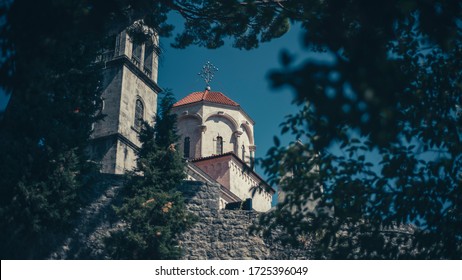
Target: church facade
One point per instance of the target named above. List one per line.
(217, 135)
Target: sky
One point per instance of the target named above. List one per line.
(242, 76)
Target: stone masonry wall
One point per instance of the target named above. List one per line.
(218, 234)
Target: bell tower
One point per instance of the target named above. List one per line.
(129, 96)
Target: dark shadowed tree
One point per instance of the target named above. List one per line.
(47, 68)
(382, 131)
(153, 210)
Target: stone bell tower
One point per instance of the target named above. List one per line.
(129, 96)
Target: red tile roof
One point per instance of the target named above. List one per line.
(211, 96)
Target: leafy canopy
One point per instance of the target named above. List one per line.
(381, 127)
(46, 66)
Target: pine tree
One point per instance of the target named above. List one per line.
(153, 208)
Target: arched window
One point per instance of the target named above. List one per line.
(243, 152)
(186, 147)
(219, 145)
(139, 113)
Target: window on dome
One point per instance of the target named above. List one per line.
(139, 112)
(186, 147)
(219, 145)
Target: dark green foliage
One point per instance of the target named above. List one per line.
(209, 22)
(153, 209)
(46, 66)
(382, 131)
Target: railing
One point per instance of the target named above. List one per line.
(147, 71)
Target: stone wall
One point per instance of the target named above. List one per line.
(218, 234)
(225, 234)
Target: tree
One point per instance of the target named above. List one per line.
(47, 67)
(153, 208)
(382, 124)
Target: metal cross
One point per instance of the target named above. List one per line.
(207, 72)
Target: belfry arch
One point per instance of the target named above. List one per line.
(246, 128)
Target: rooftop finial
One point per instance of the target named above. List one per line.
(207, 73)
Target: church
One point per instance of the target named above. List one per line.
(217, 135)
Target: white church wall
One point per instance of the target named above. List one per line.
(244, 141)
(230, 173)
(241, 182)
(262, 201)
(233, 117)
(218, 126)
(217, 169)
(231, 111)
(217, 120)
(189, 126)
